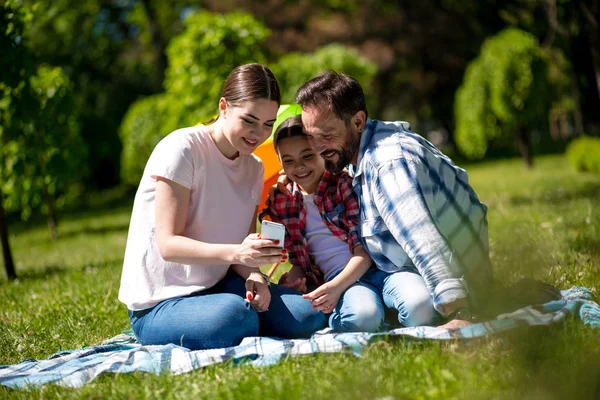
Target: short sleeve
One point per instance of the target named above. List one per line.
(173, 159)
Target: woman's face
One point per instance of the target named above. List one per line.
(249, 124)
(300, 162)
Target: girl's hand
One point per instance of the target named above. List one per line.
(324, 298)
(254, 252)
(258, 293)
(298, 285)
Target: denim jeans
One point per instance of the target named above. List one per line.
(220, 317)
(359, 309)
(404, 291)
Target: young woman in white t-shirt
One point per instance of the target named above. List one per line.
(192, 256)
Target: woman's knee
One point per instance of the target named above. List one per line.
(221, 320)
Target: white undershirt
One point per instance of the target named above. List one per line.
(329, 252)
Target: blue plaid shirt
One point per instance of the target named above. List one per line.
(417, 209)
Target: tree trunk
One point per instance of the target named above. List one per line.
(9, 266)
(157, 41)
(590, 17)
(522, 140)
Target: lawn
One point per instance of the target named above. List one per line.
(544, 223)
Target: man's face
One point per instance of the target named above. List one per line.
(336, 141)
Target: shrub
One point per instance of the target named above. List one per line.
(294, 69)
(200, 59)
(584, 154)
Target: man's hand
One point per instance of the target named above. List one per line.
(281, 184)
(298, 285)
(455, 324)
(325, 297)
(258, 293)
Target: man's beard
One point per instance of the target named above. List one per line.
(345, 155)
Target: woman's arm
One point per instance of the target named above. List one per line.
(326, 296)
(172, 202)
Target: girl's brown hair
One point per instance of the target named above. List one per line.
(248, 82)
(291, 127)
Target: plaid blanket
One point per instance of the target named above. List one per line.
(122, 354)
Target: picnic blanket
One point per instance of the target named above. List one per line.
(122, 354)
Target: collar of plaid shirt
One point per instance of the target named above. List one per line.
(338, 207)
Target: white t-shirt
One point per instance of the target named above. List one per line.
(223, 199)
(329, 252)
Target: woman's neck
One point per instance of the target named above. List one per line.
(215, 131)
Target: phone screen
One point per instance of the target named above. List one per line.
(273, 231)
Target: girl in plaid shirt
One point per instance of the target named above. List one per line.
(321, 219)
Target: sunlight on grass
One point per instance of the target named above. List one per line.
(543, 223)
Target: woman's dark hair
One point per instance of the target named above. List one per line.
(291, 127)
(248, 82)
(341, 93)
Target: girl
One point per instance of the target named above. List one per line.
(321, 220)
(192, 257)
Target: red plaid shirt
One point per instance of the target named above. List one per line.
(338, 205)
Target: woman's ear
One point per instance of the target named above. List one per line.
(223, 107)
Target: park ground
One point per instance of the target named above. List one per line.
(543, 223)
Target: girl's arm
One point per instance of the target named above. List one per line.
(172, 206)
(326, 296)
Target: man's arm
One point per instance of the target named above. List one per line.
(397, 189)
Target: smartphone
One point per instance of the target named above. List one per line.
(273, 231)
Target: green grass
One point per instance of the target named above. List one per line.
(544, 223)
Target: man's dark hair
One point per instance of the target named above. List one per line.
(342, 93)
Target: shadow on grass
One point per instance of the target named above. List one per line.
(97, 204)
(554, 362)
(90, 230)
(559, 196)
(50, 271)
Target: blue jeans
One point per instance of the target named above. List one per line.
(220, 317)
(359, 310)
(404, 291)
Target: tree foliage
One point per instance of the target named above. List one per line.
(293, 69)
(43, 151)
(508, 89)
(200, 58)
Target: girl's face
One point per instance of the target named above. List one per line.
(247, 126)
(300, 162)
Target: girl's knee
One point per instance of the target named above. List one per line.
(418, 311)
(366, 318)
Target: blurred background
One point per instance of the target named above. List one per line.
(88, 87)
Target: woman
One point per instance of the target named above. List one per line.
(192, 257)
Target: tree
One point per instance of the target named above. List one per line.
(15, 63)
(508, 90)
(113, 53)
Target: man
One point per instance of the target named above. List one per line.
(421, 222)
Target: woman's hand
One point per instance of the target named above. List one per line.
(325, 297)
(298, 285)
(254, 252)
(257, 292)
